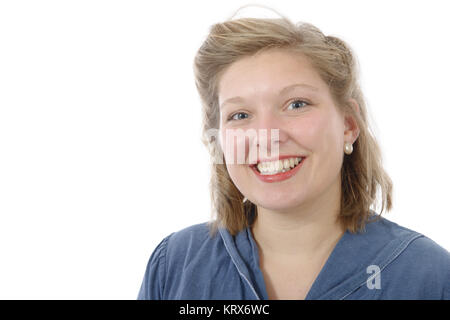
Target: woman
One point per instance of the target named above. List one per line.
(294, 222)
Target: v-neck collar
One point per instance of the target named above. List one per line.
(345, 269)
(315, 287)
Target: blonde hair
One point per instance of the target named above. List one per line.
(362, 171)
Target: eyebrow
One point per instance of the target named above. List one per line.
(282, 91)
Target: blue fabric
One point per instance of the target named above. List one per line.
(189, 264)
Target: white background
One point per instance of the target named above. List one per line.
(100, 152)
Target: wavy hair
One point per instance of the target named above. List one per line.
(362, 173)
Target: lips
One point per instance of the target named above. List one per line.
(279, 176)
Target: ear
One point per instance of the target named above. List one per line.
(351, 125)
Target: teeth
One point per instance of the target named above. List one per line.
(274, 167)
(279, 165)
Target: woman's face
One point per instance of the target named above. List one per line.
(308, 121)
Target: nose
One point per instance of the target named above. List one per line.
(260, 140)
(270, 134)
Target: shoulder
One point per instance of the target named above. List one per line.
(404, 264)
(193, 235)
(381, 228)
(172, 257)
(188, 241)
(428, 259)
(429, 250)
(416, 262)
(408, 243)
(411, 241)
(424, 267)
(192, 241)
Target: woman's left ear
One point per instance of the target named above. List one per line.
(351, 124)
(354, 104)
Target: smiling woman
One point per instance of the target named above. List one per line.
(297, 224)
(264, 67)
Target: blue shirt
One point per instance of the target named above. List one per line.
(386, 261)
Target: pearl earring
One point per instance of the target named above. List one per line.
(245, 199)
(348, 148)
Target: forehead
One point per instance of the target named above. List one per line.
(267, 71)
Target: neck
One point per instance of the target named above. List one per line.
(305, 231)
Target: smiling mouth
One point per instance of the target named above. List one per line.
(276, 167)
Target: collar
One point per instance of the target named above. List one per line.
(345, 269)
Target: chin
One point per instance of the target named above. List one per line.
(279, 203)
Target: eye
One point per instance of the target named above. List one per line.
(242, 115)
(300, 103)
(232, 117)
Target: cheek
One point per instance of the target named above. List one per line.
(238, 176)
(308, 130)
(317, 132)
(235, 146)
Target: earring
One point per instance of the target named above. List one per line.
(348, 148)
(245, 199)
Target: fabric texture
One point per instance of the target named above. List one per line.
(386, 261)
